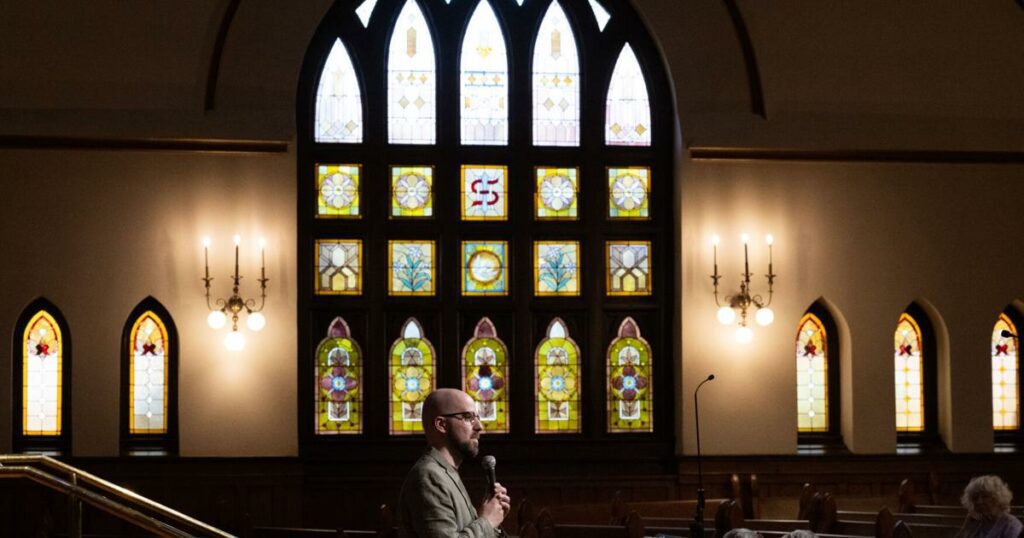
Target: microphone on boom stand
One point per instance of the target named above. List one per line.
(697, 527)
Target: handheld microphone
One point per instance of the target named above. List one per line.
(1007, 334)
(488, 463)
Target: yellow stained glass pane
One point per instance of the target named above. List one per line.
(42, 376)
(630, 387)
(412, 191)
(339, 266)
(412, 378)
(556, 268)
(485, 376)
(1005, 362)
(412, 267)
(148, 376)
(338, 190)
(628, 268)
(629, 192)
(557, 193)
(557, 381)
(484, 192)
(812, 375)
(909, 386)
(338, 382)
(485, 268)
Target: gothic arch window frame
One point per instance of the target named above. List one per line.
(49, 444)
(833, 436)
(1014, 436)
(929, 436)
(448, 317)
(165, 444)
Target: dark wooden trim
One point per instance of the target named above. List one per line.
(201, 145)
(212, 74)
(855, 155)
(749, 59)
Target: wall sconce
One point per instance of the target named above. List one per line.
(743, 300)
(235, 304)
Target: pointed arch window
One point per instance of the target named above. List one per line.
(149, 378)
(485, 376)
(412, 81)
(339, 105)
(411, 377)
(484, 80)
(628, 109)
(812, 400)
(909, 367)
(556, 82)
(557, 378)
(1005, 376)
(629, 380)
(338, 378)
(42, 371)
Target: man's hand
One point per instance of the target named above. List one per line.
(496, 507)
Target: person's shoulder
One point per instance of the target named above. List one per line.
(425, 468)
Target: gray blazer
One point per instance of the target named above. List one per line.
(434, 503)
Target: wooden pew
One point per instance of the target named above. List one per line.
(385, 529)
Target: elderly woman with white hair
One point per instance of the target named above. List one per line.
(987, 500)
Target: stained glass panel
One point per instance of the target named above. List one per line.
(811, 375)
(412, 191)
(365, 10)
(484, 268)
(338, 190)
(339, 267)
(148, 373)
(338, 378)
(339, 105)
(557, 190)
(909, 379)
(1005, 388)
(412, 267)
(629, 193)
(556, 82)
(484, 192)
(557, 381)
(600, 14)
(556, 268)
(411, 378)
(412, 81)
(485, 376)
(628, 110)
(630, 391)
(42, 379)
(629, 268)
(484, 80)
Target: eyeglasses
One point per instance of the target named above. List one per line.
(465, 416)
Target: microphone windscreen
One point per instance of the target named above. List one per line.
(711, 377)
(488, 463)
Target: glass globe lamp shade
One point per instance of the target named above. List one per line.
(764, 316)
(726, 315)
(216, 319)
(744, 335)
(234, 341)
(256, 322)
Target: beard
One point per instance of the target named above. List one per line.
(468, 448)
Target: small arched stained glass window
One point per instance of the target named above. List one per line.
(629, 381)
(148, 376)
(628, 109)
(339, 105)
(485, 376)
(484, 80)
(339, 379)
(412, 378)
(412, 80)
(556, 82)
(909, 375)
(557, 377)
(812, 375)
(1005, 388)
(42, 376)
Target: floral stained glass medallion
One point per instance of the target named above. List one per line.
(412, 191)
(339, 105)
(629, 268)
(556, 268)
(338, 377)
(811, 375)
(338, 188)
(42, 376)
(339, 267)
(485, 268)
(630, 393)
(627, 110)
(556, 77)
(484, 80)
(412, 80)
(1005, 388)
(909, 376)
(557, 378)
(412, 267)
(556, 197)
(485, 376)
(484, 192)
(148, 376)
(412, 378)
(629, 193)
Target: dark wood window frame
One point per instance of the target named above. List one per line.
(150, 444)
(929, 439)
(831, 440)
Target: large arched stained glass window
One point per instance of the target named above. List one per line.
(1005, 387)
(485, 376)
(909, 370)
(812, 397)
(628, 115)
(41, 376)
(339, 106)
(149, 423)
(556, 82)
(629, 376)
(338, 379)
(557, 378)
(412, 84)
(484, 80)
(412, 377)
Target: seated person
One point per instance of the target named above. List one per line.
(987, 500)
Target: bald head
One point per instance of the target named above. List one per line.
(445, 402)
(447, 427)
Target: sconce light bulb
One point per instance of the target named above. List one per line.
(234, 341)
(238, 240)
(745, 238)
(744, 335)
(256, 322)
(206, 241)
(263, 243)
(769, 239)
(726, 315)
(715, 240)
(216, 319)
(764, 316)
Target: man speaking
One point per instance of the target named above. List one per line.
(434, 502)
